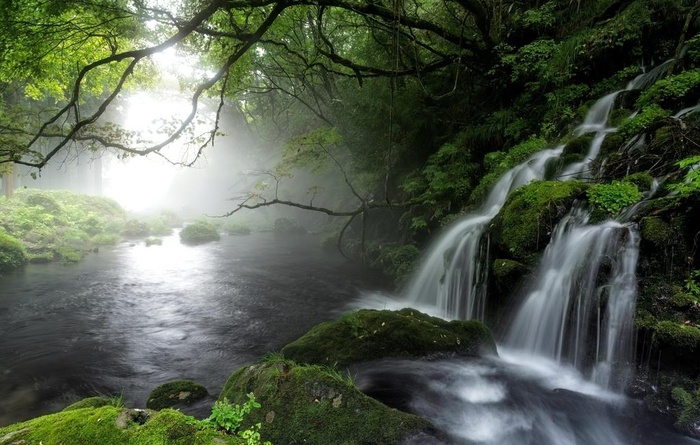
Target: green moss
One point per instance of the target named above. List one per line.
(174, 393)
(526, 221)
(109, 425)
(507, 273)
(369, 334)
(90, 402)
(578, 146)
(687, 409)
(683, 300)
(199, 232)
(12, 253)
(657, 231)
(677, 335)
(642, 180)
(312, 404)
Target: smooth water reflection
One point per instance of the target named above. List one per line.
(130, 318)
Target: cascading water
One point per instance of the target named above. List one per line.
(555, 319)
(452, 278)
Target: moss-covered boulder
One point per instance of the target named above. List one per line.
(370, 335)
(90, 402)
(177, 392)
(199, 232)
(507, 274)
(12, 253)
(316, 405)
(109, 425)
(525, 223)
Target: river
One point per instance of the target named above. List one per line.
(129, 318)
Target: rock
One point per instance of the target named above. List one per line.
(175, 393)
(316, 405)
(108, 425)
(370, 335)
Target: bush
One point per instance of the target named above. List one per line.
(12, 253)
(136, 228)
(611, 199)
(234, 228)
(199, 232)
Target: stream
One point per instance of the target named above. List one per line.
(130, 318)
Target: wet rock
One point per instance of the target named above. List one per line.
(175, 393)
(370, 335)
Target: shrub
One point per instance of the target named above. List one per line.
(611, 199)
(674, 92)
(12, 253)
(136, 228)
(199, 232)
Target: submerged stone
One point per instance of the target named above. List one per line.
(370, 335)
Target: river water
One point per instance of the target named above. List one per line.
(131, 317)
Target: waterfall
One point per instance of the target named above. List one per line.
(452, 276)
(561, 314)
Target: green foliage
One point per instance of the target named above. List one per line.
(199, 232)
(612, 198)
(135, 228)
(644, 121)
(235, 228)
(396, 261)
(691, 181)
(530, 61)
(288, 226)
(673, 92)
(152, 241)
(692, 283)
(12, 253)
(687, 410)
(228, 418)
(677, 335)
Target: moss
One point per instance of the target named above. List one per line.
(109, 425)
(369, 335)
(12, 253)
(611, 144)
(199, 232)
(507, 273)
(674, 92)
(642, 180)
(648, 119)
(687, 410)
(312, 404)
(579, 146)
(525, 223)
(682, 300)
(89, 402)
(657, 231)
(175, 393)
(677, 335)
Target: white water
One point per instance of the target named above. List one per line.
(452, 277)
(567, 315)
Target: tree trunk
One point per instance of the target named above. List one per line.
(8, 180)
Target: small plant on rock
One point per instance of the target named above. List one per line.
(228, 418)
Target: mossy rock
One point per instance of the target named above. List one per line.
(315, 405)
(89, 402)
(109, 425)
(656, 231)
(642, 180)
(175, 393)
(368, 335)
(199, 232)
(507, 274)
(525, 223)
(578, 147)
(678, 336)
